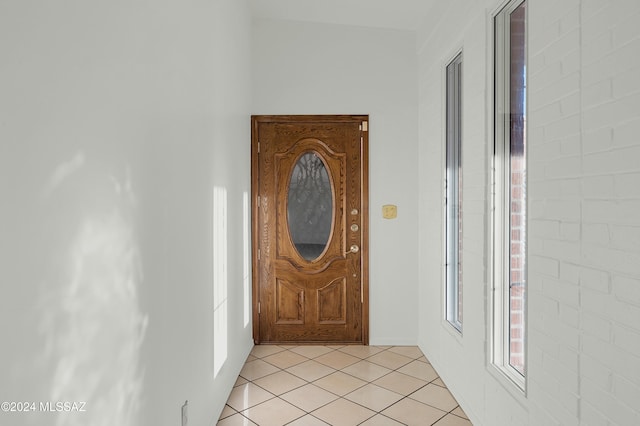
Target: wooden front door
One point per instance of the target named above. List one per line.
(310, 221)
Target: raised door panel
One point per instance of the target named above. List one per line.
(332, 302)
(289, 302)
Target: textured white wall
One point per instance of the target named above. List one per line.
(117, 121)
(584, 257)
(302, 68)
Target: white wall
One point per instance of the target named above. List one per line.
(303, 68)
(584, 175)
(117, 120)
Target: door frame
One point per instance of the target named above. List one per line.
(364, 189)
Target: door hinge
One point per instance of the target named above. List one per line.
(258, 201)
(258, 147)
(361, 292)
(258, 254)
(365, 126)
(258, 308)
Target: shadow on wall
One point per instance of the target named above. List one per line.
(91, 323)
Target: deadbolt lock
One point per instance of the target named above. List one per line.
(355, 227)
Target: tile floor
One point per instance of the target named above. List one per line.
(340, 386)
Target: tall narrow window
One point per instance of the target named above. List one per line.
(510, 197)
(454, 194)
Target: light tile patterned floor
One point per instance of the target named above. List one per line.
(340, 386)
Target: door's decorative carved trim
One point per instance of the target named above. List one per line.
(328, 262)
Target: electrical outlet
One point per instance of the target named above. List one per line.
(184, 414)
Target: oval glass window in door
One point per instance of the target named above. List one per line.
(310, 206)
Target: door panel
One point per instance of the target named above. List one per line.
(332, 302)
(310, 189)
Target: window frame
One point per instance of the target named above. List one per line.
(501, 199)
(453, 191)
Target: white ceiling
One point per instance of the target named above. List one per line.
(395, 14)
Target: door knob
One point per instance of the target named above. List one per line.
(354, 249)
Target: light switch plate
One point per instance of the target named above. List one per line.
(389, 211)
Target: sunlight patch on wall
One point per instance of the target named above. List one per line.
(246, 260)
(219, 279)
(92, 323)
(63, 171)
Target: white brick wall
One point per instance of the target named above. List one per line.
(584, 213)
(606, 166)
